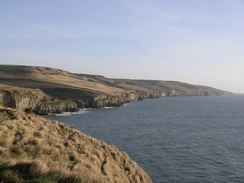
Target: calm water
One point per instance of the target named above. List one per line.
(174, 139)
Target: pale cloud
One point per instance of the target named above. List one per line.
(27, 22)
(37, 29)
(152, 60)
(144, 58)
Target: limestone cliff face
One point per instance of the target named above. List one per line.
(26, 100)
(193, 93)
(56, 107)
(32, 147)
(35, 100)
(112, 100)
(120, 99)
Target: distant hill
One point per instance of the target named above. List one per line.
(94, 90)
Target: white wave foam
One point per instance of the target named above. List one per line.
(62, 114)
(82, 111)
(109, 107)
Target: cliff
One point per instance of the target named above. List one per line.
(33, 149)
(72, 91)
(26, 99)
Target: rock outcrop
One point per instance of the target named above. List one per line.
(34, 100)
(20, 98)
(56, 107)
(33, 148)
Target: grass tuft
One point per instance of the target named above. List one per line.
(7, 115)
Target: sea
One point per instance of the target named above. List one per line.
(196, 139)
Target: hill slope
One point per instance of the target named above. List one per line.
(33, 148)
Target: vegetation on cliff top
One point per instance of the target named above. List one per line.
(63, 84)
(33, 149)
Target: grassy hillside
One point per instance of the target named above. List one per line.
(49, 78)
(63, 84)
(33, 149)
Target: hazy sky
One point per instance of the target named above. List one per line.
(193, 41)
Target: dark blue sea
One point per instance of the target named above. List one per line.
(174, 139)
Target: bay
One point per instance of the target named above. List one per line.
(174, 139)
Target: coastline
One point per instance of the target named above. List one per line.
(44, 90)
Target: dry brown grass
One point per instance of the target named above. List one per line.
(33, 148)
(51, 75)
(16, 89)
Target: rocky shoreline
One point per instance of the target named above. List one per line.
(38, 102)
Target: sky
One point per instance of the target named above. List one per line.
(197, 42)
